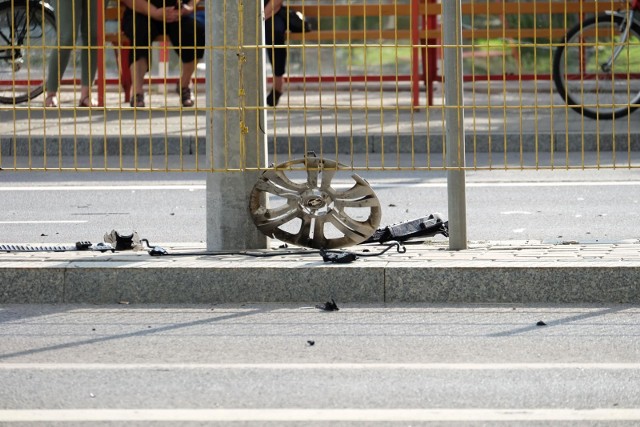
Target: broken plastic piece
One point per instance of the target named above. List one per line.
(83, 245)
(124, 242)
(427, 226)
(338, 257)
(158, 250)
(102, 247)
(328, 306)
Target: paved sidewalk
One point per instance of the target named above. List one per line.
(487, 272)
(325, 118)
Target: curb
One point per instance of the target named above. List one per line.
(485, 273)
(128, 145)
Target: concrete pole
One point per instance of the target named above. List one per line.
(454, 119)
(236, 132)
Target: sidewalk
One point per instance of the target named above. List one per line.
(510, 272)
(324, 118)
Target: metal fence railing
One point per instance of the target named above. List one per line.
(364, 88)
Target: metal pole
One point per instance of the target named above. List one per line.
(236, 134)
(454, 119)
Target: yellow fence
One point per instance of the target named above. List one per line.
(364, 87)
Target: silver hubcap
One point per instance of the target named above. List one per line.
(311, 212)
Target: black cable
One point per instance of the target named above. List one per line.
(400, 248)
(159, 251)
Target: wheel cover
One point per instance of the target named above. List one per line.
(327, 217)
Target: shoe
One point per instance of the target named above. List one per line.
(87, 102)
(273, 98)
(137, 100)
(51, 101)
(185, 96)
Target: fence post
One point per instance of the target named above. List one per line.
(236, 136)
(454, 119)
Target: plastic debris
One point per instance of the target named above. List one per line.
(123, 242)
(328, 306)
(427, 226)
(338, 257)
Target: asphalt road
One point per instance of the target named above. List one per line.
(591, 205)
(271, 364)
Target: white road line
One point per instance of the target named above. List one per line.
(320, 366)
(43, 222)
(374, 184)
(309, 415)
(514, 184)
(516, 213)
(105, 187)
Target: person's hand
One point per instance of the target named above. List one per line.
(166, 14)
(186, 9)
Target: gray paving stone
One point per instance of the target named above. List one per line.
(582, 284)
(214, 284)
(30, 284)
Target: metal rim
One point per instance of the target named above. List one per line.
(326, 216)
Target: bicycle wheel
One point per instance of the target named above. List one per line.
(27, 33)
(582, 74)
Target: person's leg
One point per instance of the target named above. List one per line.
(275, 35)
(138, 70)
(60, 57)
(139, 55)
(188, 38)
(188, 68)
(89, 56)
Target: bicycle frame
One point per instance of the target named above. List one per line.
(629, 17)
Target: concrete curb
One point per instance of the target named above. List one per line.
(489, 272)
(128, 145)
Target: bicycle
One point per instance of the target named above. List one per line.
(27, 32)
(596, 69)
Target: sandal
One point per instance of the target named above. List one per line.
(185, 97)
(87, 102)
(273, 98)
(137, 100)
(51, 101)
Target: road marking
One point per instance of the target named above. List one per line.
(320, 366)
(373, 183)
(106, 187)
(515, 213)
(309, 415)
(43, 222)
(517, 184)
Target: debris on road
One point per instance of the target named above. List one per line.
(328, 306)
